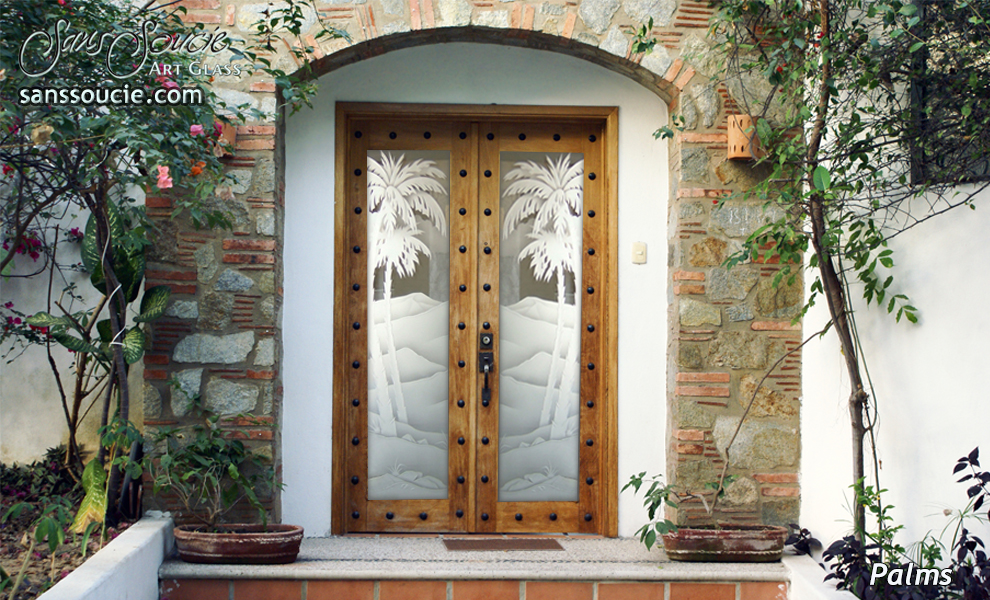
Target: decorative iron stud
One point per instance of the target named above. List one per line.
(488, 249)
(460, 479)
(522, 136)
(355, 515)
(592, 138)
(486, 287)
(484, 516)
(519, 516)
(591, 327)
(461, 363)
(485, 440)
(591, 290)
(356, 325)
(355, 402)
(459, 513)
(592, 176)
(427, 134)
(461, 325)
(486, 325)
(356, 287)
(389, 516)
(460, 441)
(357, 134)
(423, 516)
(356, 249)
(556, 137)
(488, 173)
(587, 516)
(357, 210)
(591, 213)
(591, 251)
(490, 136)
(462, 211)
(488, 212)
(355, 480)
(356, 364)
(591, 366)
(589, 442)
(357, 172)
(589, 480)
(590, 403)
(553, 516)
(485, 402)
(484, 479)
(463, 135)
(462, 287)
(460, 404)
(392, 135)
(463, 173)
(462, 249)
(355, 441)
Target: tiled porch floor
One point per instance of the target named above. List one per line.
(388, 557)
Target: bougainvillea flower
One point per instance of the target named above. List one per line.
(8, 170)
(164, 181)
(170, 85)
(195, 130)
(217, 128)
(197, 168)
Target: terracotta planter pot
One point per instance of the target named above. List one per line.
(241, 544)
(735, 543)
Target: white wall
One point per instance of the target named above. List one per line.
(468, 74)
(930, 383)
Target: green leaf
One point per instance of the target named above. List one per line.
(916, 46)
(43, 319)
(154, 303)
(133, 345)
(105, 330)
(9, 269)
(73, 343)
(84, 544)
(93, 507)
(821, 178)
(89, 252)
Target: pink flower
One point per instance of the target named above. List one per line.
(164, 181)
(170, 85)
(217, 128)
(195, 130)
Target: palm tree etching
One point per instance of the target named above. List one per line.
(552, 195)
(397, 192)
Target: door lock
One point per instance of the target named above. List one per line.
(487, 339)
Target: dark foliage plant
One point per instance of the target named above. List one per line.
(852, 560)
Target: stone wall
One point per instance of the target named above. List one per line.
(220, 337)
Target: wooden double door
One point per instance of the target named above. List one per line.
(474, 350)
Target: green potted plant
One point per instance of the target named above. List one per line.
(713, 543)
(210, 474)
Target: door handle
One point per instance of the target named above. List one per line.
(486, 361)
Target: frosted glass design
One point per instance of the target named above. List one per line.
(539, 332)
(408, 305)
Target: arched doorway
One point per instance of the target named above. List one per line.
(475, 74)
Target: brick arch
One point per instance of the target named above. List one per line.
(661, 84)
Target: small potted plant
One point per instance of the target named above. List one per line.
(210, 474)
(713, 543)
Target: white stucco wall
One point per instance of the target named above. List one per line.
(31, 415)
(468, 74)
(928, 378)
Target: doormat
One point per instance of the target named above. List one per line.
(502, 544)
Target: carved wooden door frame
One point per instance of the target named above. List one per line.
(475, 136)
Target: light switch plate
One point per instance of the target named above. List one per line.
(639, 253)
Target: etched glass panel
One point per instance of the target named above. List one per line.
(539, 333)
(408, 305)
